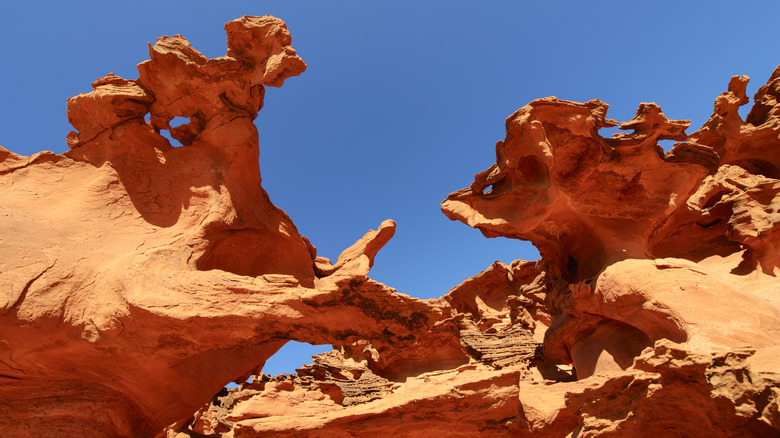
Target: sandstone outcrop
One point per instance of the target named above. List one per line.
(138, 277)
(474, 358)
(643, 247)
(653, 311)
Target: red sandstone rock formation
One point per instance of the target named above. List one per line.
(139, 277)
(657, 283)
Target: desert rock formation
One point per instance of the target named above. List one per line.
(138, 277)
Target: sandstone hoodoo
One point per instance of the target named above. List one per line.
(139, 277)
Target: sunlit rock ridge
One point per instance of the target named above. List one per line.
(138, 278)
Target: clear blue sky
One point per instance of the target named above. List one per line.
(403, 101)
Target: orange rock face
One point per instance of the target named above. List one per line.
(138, 277)
(654, 260)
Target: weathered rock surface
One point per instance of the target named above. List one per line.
(654, 261)
(138, 277)
(459, 380)
(657, 283)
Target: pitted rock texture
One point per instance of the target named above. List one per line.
(138, 277)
